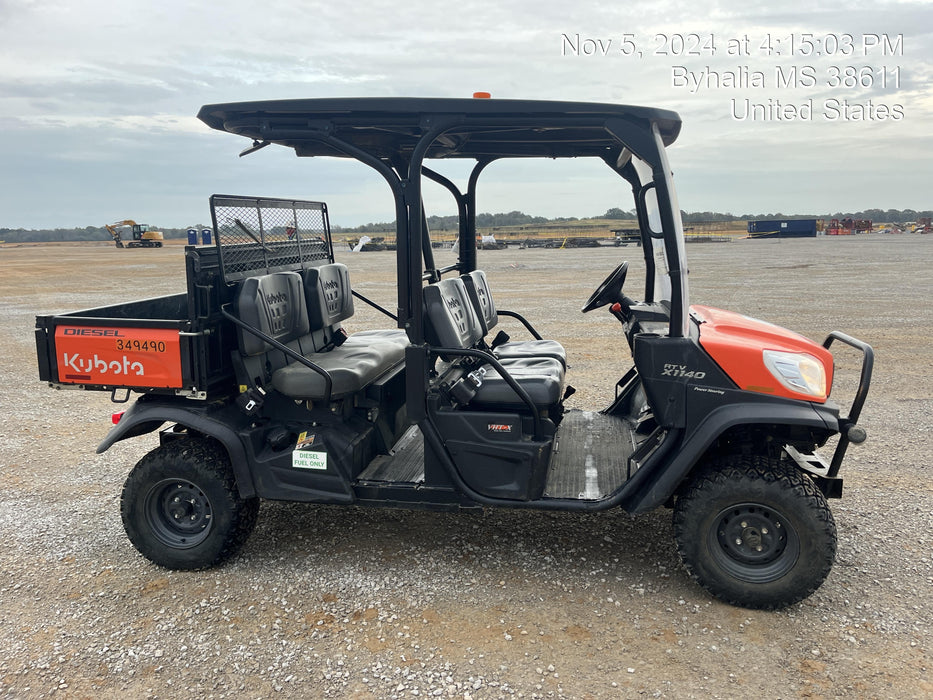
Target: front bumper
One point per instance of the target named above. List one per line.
(848, 429)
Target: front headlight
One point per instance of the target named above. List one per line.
(798, 372)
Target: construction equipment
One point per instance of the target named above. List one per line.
(143, 237)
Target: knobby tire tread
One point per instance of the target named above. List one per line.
(211, 461)
(719, 477)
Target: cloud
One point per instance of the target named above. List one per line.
(97, 99)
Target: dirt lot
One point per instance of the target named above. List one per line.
(345, 602)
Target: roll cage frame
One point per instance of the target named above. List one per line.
(395, 136)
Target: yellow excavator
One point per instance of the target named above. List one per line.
(143, 237)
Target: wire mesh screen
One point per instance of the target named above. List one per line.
(258, 235)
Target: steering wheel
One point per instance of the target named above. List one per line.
(610, 291)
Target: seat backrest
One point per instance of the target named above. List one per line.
(273, 304)
(452, 320)
(328, 295)
(477, 287)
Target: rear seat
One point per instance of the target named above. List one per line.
(277, 305)
(477, 287)
(454, 324)
(330, 301)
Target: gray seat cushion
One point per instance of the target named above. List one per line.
(352, 366)
(531, 348)
(395, 336)
(542, 378)
(329, 300)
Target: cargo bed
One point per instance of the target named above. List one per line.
(180, 344)
(150, 345)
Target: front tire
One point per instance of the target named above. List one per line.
(181, 508)
(755, 532)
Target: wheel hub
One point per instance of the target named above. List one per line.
(179, 513)
(187, 509)
(754, 543)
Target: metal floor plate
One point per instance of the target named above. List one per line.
(591, 456)
(404, 465)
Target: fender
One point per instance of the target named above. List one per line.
(145, 417)
(656, 488)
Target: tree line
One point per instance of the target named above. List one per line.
(483, 221)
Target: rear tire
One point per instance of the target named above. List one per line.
(755, 532)
(181, 508)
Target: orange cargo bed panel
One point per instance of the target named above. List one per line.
(119, 356)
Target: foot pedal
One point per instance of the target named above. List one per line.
(568, 392)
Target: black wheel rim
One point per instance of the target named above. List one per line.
(753, 543)
(179, 513)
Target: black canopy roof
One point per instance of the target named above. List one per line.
(475, 128)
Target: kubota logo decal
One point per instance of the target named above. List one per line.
(86, 365)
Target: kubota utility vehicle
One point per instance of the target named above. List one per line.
(259, 392)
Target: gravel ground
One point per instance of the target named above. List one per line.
(346, 602)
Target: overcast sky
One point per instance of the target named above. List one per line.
(97, 100)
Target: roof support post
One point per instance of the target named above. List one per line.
(630, 175)
(673, 241)
(459, 198)
(468, 232)
(649, 147)
(411, 188)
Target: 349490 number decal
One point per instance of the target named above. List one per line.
(140, 345)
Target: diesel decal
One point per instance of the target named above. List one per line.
(98, 332)
(672, 370)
